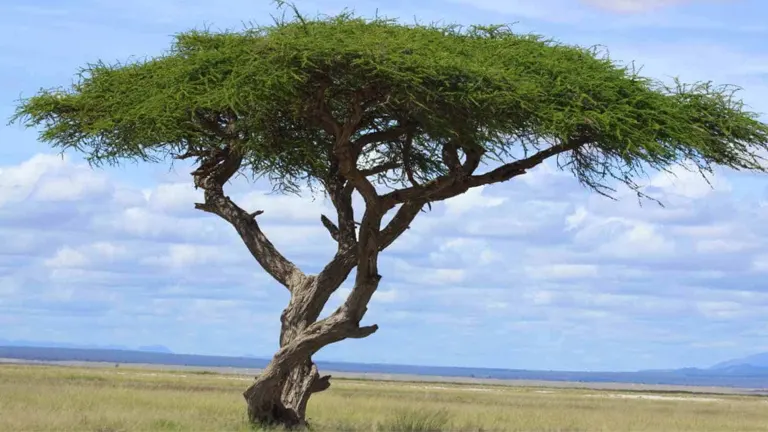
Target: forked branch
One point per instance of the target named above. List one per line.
(214, 171)
(458, 181)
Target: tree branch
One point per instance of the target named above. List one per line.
(452, 184)
(387, 135)
(330, 226)
(341, 197)
(399, 223)
(381, 168)
(450, 156)
(321, 384)
(213, 172)
(347, 158)
(519, 167)
(323, 114)
(407, 146)
(362, 332)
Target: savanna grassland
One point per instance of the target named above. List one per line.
(46, 398)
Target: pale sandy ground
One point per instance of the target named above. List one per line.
(656, 397)
(246, 375)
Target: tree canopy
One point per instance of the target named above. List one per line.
(279, 95)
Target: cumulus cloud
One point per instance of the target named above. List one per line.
(46, 178)
(67, 257)
(579, 261)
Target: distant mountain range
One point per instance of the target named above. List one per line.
(39, 344)
(754, 361)
(749, 372)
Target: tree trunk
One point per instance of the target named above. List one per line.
(285, 404)
(280, 394)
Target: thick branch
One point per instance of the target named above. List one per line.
(363, 332)
(399, 223)
(450, 156)
(334, 274)
(330, 226)
(321, 384)
(213, 172)
(321, 112)
(474, 156)
(379, 169)
(387, 135)
(347, 158)
(452, 184)
(367, 277)
(340, 193)
(516, 168)
(407, 146)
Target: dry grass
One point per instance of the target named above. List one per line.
(38, 398)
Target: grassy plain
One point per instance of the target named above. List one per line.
(43, 398)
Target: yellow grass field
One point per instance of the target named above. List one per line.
(43, 398)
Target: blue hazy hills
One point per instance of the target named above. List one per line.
(748, 372)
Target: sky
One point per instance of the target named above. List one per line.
(536, 273)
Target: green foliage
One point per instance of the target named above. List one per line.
(508, 93)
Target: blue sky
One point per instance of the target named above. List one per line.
(536, 273)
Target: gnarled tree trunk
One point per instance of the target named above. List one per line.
(280, 394)
(284, 402)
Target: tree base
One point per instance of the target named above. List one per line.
(276, 415)
(284, 404)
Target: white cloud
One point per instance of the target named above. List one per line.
(380, 296)
(633, 6)
(688, 183)
(185, 256)
(497, 305)
(472, 201)
(286, 207)
(465, 251)
(444, 275)
(575, 219)
(720, 309)
(87, 255)
(173, 197)
(67, 257)
(760, 263)
(71, 188)
(638, 239)
(542, 297)
(108, 250)
(562, 271)
(48, 178)
(722, 246)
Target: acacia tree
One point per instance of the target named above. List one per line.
(402, 115)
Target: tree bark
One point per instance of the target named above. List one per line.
(285, 402)
(280, 394)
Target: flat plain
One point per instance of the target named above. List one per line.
(124, 399)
